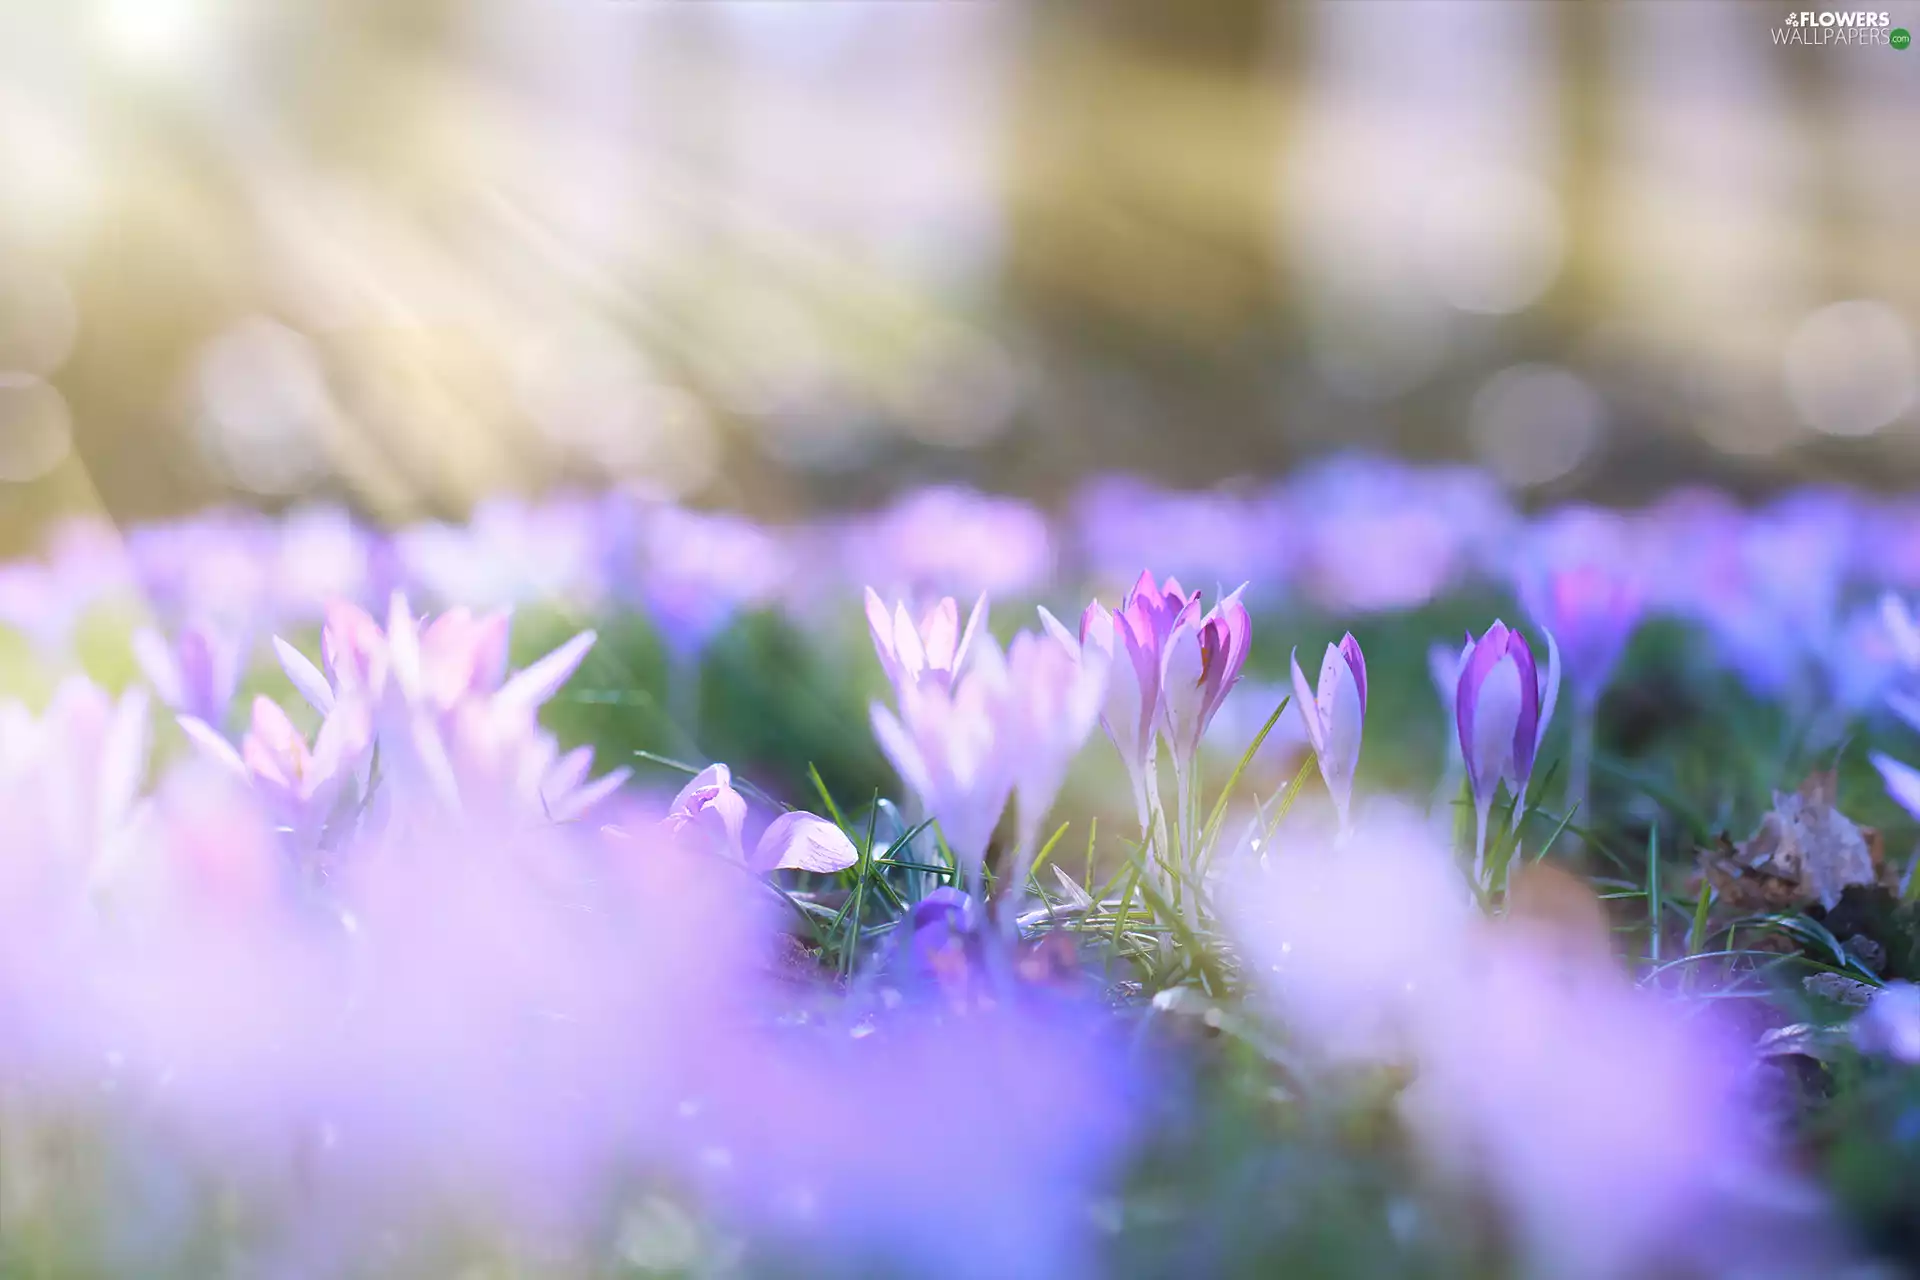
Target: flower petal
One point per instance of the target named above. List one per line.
(800, 841)
(305, 676)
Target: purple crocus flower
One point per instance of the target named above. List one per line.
(1574, 580)
(1502, 706)
(1131, 642)
(196, 675)
(1053, 698)
(956, 749)
(1197, 677)
(935, 648)
(1335, 713)
(711, 813)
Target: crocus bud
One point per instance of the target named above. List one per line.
(1502, 706)
(1335, 713)
(710, 813)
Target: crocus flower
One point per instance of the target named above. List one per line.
(1054, 697)
(1335, 712)
(935, 648)
(70, 780)
(196, 674)
(1134, 641)
(1129, 711)
(954, 748)
(711, 813)
(439, 700)
(1502, 706)
(301, 783)
(1575, 581)
(1203, 662)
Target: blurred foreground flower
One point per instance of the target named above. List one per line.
(1609, 1129)
(448, 722)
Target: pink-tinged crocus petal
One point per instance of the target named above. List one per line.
(1054, 698)
(568, 772)
(1222, 637)
(573, 805)
(1058, 630)
(274, 751)
(799, 841)
(880, 624)
(461, 654)
(354, 650)
(528, 690)
(403, 647)
(976, 618)
(212, 745)
(900, 749)
(940, 634)
(936, 648)
(306, 677)
(711, 811)
(908, 650)
(436, 763)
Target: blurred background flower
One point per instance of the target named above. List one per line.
(415, 257)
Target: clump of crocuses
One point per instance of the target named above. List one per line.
(1171, 668)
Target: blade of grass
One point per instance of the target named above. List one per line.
(833, 810)
(1697, 934)
(1046, 852)
(1233, 779)
(1653, 895)
(1555, 837)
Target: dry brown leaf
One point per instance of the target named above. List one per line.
(1804, 851)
